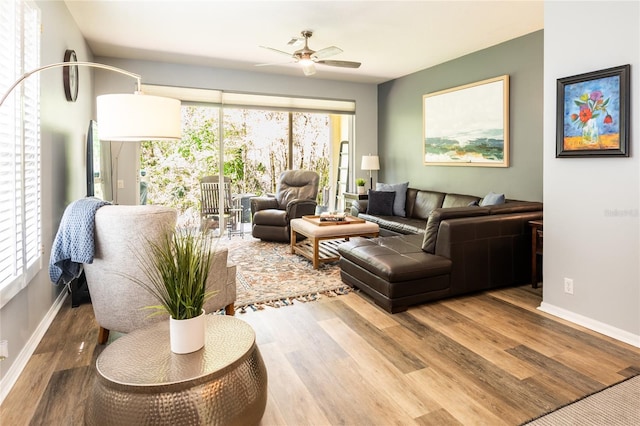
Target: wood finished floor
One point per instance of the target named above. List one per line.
(489, 358)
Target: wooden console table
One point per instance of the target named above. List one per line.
(536, 250)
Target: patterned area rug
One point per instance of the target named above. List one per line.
(269, 275)
(618, 404)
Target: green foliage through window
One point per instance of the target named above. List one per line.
(256, 151)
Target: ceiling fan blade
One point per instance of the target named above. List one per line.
(309, 69)
(277, 51)
(326, 52)
(296, 42)
(274, 63)
(343, 64)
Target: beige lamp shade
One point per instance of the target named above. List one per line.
(138, 117)
(370, 162)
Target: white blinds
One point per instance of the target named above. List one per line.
(248, 100)
(20, 232)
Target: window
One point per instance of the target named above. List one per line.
(20, 239)
(259, 136)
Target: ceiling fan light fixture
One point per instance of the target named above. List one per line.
(308, 66)
(306, 62)
(307, 58)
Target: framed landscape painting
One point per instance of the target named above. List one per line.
(593, 114)
(468, 125)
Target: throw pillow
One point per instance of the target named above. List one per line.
(491, 199)
(381, 203)
(400, 190)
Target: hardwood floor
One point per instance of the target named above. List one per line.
(489, 358)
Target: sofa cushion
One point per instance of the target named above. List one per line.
(425, 203)
(459, 200)
(394, 259)
(401, 196)
(381, 203)
(492, 199)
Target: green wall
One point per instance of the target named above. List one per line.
(400, 122)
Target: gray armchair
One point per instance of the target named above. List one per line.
(295, 196)
(120, 233)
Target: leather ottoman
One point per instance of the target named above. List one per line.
(394, 271)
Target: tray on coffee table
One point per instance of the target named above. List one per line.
(347, 220)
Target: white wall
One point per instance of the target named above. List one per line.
(63, 132)
(582, 240)
(365, 96)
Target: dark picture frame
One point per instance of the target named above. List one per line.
(592, 114)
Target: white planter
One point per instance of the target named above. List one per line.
(361, 189)
(187, 335)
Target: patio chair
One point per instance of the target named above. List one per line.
(210, 204)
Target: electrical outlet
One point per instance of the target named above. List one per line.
(120, 184)
(568, 285)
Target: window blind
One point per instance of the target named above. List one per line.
(249, 100)
(20, 217)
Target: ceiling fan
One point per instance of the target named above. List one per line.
(308, 57)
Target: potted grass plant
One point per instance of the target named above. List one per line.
(177, 267)
(360, 183)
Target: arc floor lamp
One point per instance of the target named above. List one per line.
(125, 117)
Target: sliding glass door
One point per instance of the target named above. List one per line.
(256, 146)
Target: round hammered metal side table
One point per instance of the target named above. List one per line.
(140, 381)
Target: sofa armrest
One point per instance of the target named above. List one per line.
(263, 203)
(300, 207)
(358, 206)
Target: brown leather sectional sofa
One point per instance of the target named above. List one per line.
(442, 248)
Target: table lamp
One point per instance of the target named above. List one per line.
(370, 162)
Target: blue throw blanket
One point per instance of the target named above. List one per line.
(74, 243)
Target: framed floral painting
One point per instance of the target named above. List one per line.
(593, 114)
(467, 125)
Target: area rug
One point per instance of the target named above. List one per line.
(269, 275)
(617, 405)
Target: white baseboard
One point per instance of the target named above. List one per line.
(606, 329)
(10, 379)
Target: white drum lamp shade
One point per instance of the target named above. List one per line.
(126, 117)
(370, 162)
(136, 117)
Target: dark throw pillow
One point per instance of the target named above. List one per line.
(401, 195)
(381, 203)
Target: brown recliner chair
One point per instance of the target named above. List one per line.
(295, 196)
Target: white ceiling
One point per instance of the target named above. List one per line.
(390, 38)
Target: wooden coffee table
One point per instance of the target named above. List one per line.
(317, 231)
